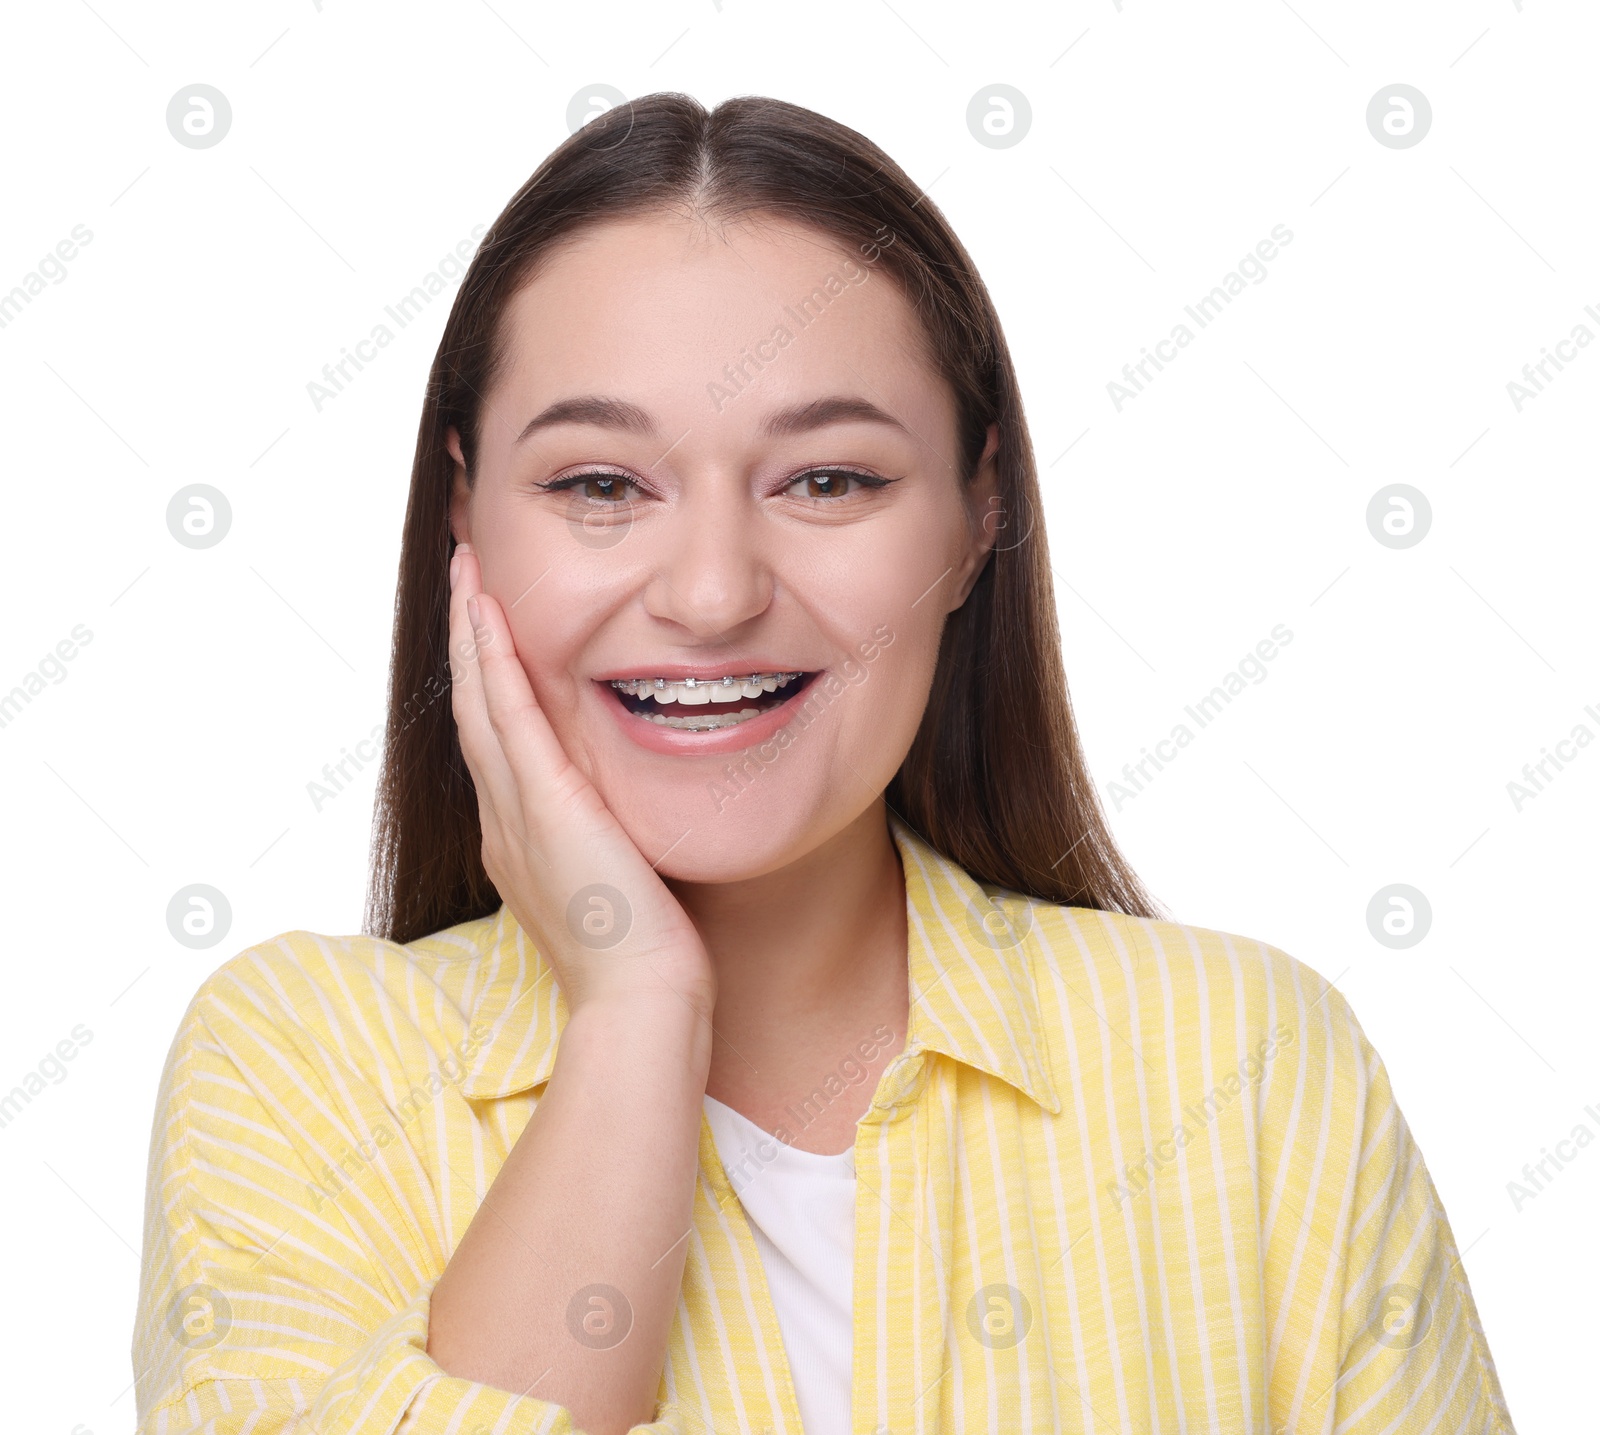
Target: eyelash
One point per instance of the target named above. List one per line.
(867, 480)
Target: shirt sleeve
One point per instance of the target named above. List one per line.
(264, 1310)
(1412, 1352)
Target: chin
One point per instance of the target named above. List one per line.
(754, 833)
(738, 853)
(743, 802)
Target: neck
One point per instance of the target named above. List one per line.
(809, 959)
(794, 939)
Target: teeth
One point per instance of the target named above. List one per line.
(693, 692)
(702, 722)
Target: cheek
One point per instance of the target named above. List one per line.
(547, 653)
(886, 686)
(900, 574)
(888, 612)
(547, 598)
(895, 602)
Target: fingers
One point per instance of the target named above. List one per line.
(486, 760)
(548, 836)
(530, 781)
(529, 744)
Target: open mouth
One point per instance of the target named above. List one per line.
(707, 704)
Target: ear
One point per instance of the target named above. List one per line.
(460, 491)
(985, 520)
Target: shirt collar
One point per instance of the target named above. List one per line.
(973, 993)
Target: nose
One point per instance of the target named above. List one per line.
(710, 571)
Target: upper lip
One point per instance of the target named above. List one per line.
(706, 672)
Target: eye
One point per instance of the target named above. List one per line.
(830, 483)
(599, 487)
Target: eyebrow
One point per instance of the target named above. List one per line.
(600, 411)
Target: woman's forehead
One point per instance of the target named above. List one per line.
(700, 323)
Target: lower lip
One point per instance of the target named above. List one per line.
(680, 742)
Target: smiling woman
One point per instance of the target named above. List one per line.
(637, 1107)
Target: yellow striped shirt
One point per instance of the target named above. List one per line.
(1126, 1175)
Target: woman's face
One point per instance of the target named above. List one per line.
(719, 453)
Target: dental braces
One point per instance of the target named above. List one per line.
(636, 685)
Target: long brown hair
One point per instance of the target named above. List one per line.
(995, 778)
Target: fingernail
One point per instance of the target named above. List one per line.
(455, 568)
(472, 611)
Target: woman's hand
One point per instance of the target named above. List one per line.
(598, 1188)
(572, 877)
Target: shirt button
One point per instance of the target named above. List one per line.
(899, 1086)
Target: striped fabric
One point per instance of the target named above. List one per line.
(1127, 1175)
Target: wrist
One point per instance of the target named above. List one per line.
(649, 990)
(644, 1027)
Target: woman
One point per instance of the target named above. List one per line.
(760, 1030)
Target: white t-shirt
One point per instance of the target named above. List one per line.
(802, 1211)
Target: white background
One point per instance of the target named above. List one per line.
(1229, 496)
